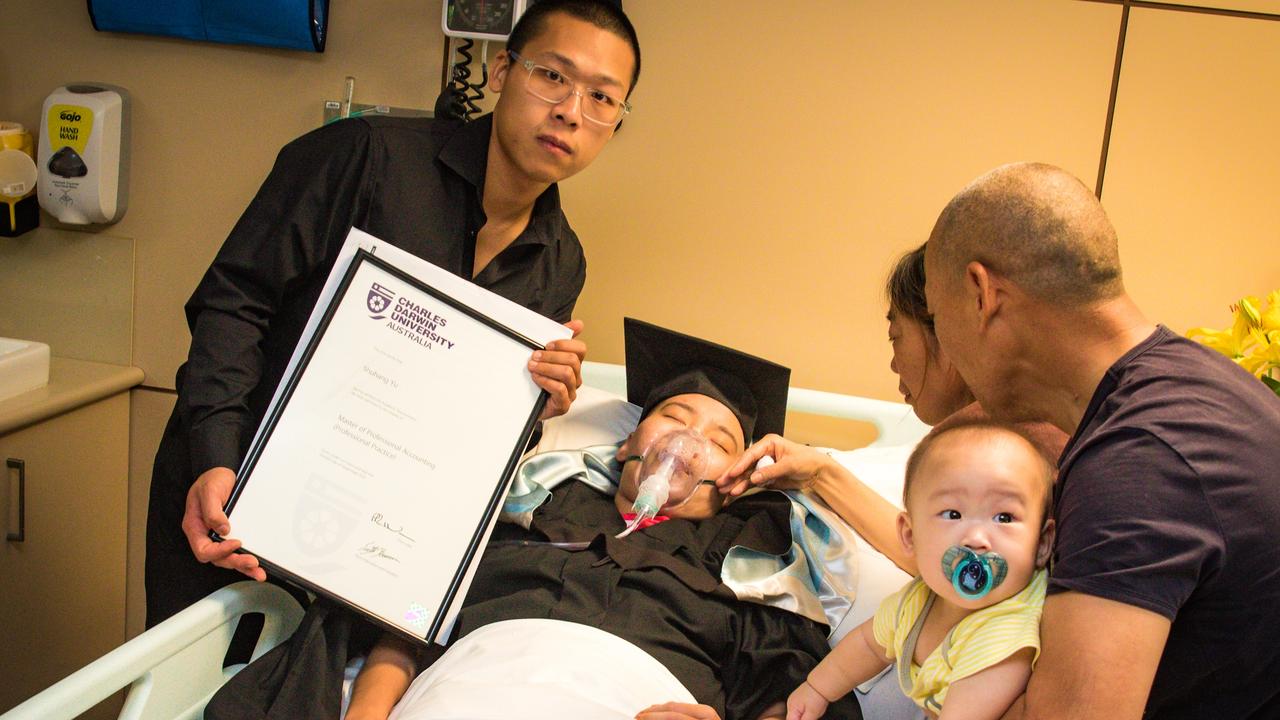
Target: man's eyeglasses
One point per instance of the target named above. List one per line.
(553, 86)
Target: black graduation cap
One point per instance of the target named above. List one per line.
(663, 363)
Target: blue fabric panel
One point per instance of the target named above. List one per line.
(292, 24)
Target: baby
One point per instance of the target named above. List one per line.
(965, 633)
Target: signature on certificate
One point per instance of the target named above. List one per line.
(372, 550)
(381, 521)
(379, 557)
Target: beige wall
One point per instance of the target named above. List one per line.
(208, 120)
(1193, 176)
(776, 164)
(777, 161)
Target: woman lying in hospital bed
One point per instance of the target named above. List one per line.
(725, 605)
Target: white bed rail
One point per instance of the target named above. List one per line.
(895, 423)
(176, 666)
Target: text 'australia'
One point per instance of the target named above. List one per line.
(419, 324)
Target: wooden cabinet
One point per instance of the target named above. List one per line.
(62, 586)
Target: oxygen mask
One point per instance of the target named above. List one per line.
(670, 470)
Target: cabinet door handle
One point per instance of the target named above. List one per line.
(21, 467)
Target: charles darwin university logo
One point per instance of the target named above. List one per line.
(379, 301)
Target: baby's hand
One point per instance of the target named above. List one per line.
(806, 703)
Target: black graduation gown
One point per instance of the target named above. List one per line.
(658, 588)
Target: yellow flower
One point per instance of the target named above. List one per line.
(1253, 341)
(1231, 343)
(1265, 353)
(1220, 340)
(1269, 319)
(1247, 310)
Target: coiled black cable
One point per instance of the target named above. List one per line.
(462, 95)
(459, 72)
(478, 88)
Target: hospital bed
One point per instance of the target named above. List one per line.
(171, 670)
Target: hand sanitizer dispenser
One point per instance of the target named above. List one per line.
(84, 153)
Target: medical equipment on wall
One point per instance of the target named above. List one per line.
(481, 19)
(468, 21)
(347, 107)
(289, 24)
(460, 96)
(83, 160)
(670, 470)
(19, 208)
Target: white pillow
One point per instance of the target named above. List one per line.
(596, 417)
(883, 470)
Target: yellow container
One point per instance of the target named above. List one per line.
(20, 210)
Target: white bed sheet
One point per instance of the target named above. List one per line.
(539, 670)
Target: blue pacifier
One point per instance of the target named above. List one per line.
(973, 575)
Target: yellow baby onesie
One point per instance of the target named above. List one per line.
(979, 641)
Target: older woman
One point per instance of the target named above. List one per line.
(928, 382)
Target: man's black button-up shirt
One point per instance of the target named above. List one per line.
(415, 183)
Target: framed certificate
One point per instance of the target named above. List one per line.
(380, 466)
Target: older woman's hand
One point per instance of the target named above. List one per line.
(795, 466)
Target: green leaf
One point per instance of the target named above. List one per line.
(1272, 383)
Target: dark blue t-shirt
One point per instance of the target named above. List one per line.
(1168, 499)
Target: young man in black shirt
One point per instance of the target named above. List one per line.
(479, 199)
(1165, 578)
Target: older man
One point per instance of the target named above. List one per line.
(1167, 569)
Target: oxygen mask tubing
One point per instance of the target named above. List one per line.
(670, 470)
